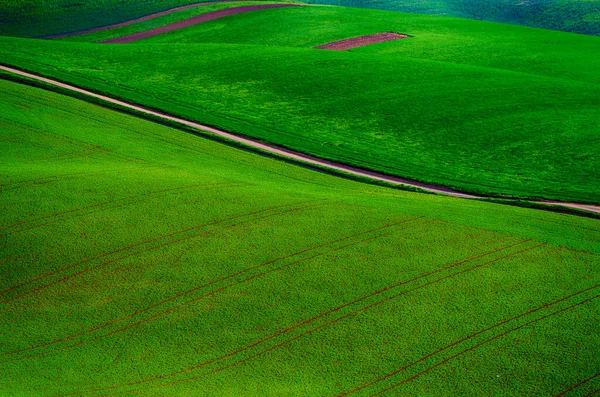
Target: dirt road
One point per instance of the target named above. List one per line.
(303, 158)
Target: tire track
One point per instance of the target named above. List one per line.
(592, 393)
(468, 337)
(210, 293)
(246, 280)
(60, 270)
(363, 309)
(197, 288)
(324, 314)
(583, 382)
(66, 177)
(486, 342)
(101, 204)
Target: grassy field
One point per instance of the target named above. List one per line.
(155, 22)
(42, 18)
(567, 15)
(486, 108)
(138, 259)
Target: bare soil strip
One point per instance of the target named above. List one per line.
(347, 44)
(338, 168)
(209, 16)
(131, 22)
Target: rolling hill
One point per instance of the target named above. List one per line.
(480, 107)
(143, 260)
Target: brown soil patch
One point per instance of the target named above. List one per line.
(209, 16)
(131, 22)
(360, 41)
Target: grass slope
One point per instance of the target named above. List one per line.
(155, 22)
(487, 108)
(43, 18)
(143, 260)
(567, 15)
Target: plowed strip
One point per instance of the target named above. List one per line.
(209, 16)
(537, 309)
(583, 302)
(133, 21)
(360, 41)
(197, 288)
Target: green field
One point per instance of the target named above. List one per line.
(568, 15)
(482, 107)
(42, 18)
(138, 259)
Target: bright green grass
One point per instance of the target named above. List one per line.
(156, 22)
(483, 107)
(111, 224)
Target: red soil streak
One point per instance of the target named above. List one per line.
(209, 16)
(580, 384)
(143, 243)
(243, 281)
(197, 288)
(583, 302)
(360, 41)
(471, 336)
(287, 330)
(101, 204)
(133, 21)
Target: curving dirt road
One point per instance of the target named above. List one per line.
(290, 154)
(209, 16)
(347, 44)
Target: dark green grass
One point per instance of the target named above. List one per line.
(155, 22)
(43, 18)
(486, 108)
(110, 225)
(567, 15)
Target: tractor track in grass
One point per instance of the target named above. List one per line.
(197, 288)
(209, 16)
(141, 197)
(468, 337)
(134, 254)
(322, 315)
(141, 243)
(332, 167)
(495, 337)
(583, 382)
(592, 393)
(215, 291)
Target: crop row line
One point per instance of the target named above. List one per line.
(197, 288)
(186, 303)
(493, 338)
(141, 197)
(468, 337)
(155, 239)
(322, 315)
